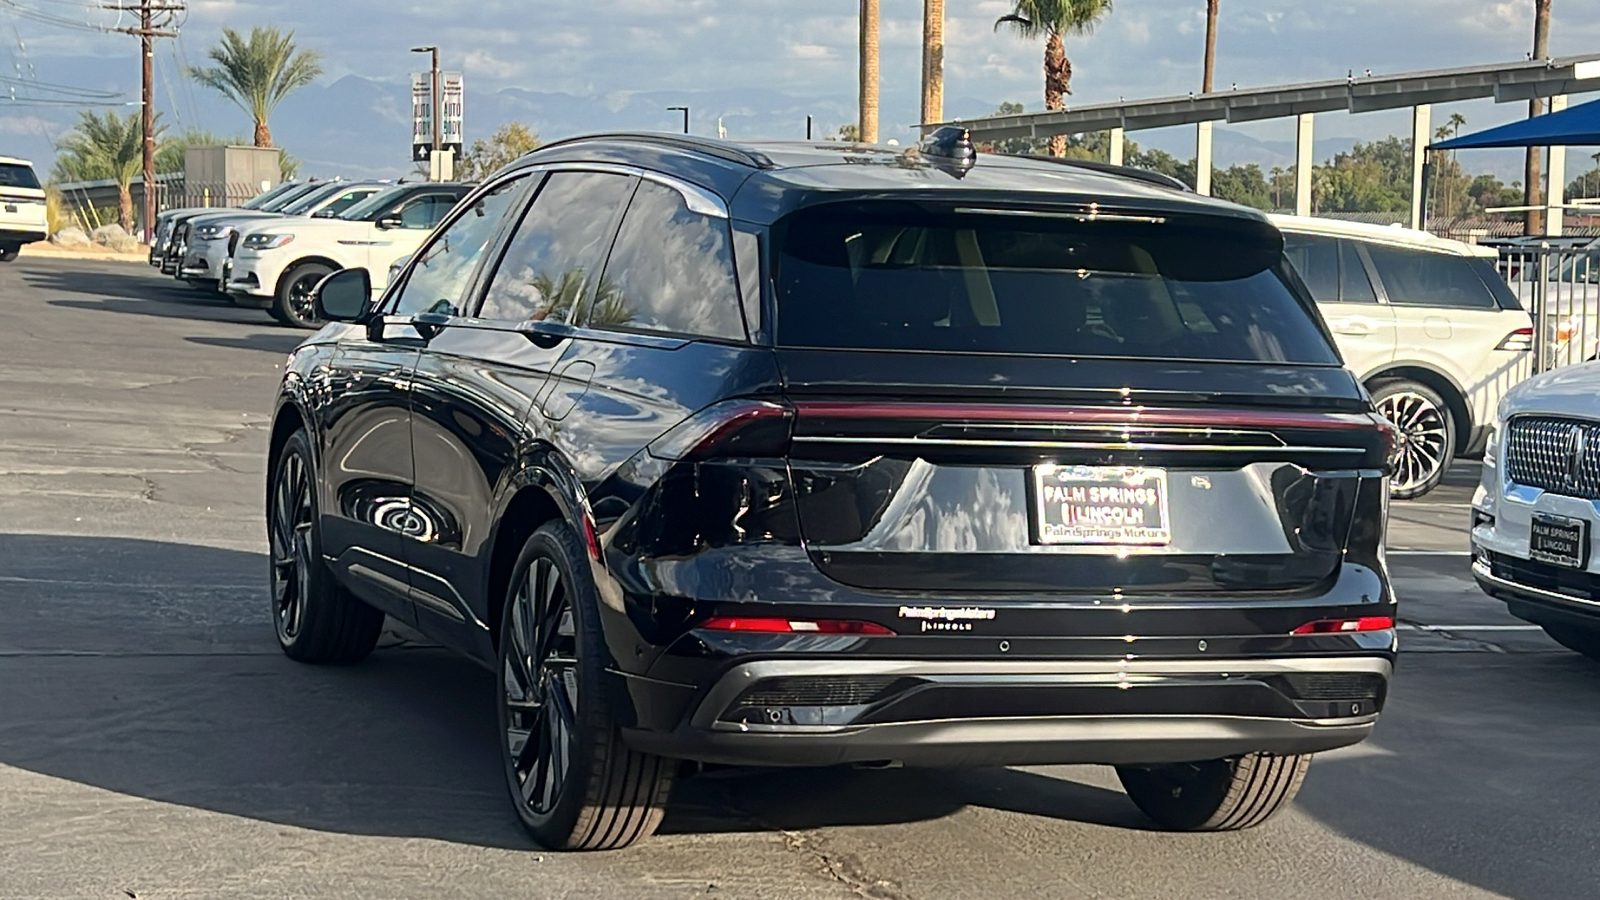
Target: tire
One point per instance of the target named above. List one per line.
(1581, 640)
(292, 305)
(573, 782)
(317, 620)
(1428, 433)
(7, 254)
(1216, 795)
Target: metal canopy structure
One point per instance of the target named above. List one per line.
(1504, 83)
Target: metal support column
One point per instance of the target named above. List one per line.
(1302, 166)
(1421, 134)
(1118, 141)
(1202, 159)
(1556, 189)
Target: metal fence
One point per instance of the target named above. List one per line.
(1560, 288)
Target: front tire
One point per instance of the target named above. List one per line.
(9, 253)
(574, 783)
(317, 620)
(293, 305)
(1427, 434)
(1216, 795)
(1580, 640)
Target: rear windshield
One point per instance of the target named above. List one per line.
(15, 175)
(906, 277)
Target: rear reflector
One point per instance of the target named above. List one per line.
(794, 626)
(1345, 626)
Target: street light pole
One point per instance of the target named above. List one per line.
(685, 116)
(433, 101)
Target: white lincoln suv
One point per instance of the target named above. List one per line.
(22, 209)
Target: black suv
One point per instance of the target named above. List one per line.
(826, 454)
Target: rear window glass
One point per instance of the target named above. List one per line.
(1422, 278)
(902, 277)
(14, 175)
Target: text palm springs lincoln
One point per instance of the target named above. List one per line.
(821, 454)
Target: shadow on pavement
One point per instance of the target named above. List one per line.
(282, 343)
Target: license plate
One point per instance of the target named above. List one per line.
(1113, 505)
(1559, 540)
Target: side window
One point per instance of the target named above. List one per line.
(345, 201)
(425, 211)
(440, 277)
(1422, 278)
(1354, 285)
(670, 270)
(554, 258)
(1317, 261)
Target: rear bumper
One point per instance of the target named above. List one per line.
(984, 713)
(18, 235)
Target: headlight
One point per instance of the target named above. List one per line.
(213, 232)
(267, 241)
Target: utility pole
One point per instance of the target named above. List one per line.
(435, 173)
(153, 17)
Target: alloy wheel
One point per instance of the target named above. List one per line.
(300, 302)
(541, 687)
(291, 546)
(1423, 436)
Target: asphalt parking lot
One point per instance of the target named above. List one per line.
(154, 743)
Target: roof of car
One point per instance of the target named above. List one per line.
(1389, 234)
(14, 161)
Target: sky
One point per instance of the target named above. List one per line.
(751, 56)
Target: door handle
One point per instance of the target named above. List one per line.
(1355, 325)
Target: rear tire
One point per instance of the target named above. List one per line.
(292, 305)
(1581, 640)
(1428, 433)
(573, 782)
(8, 253)
(1216, 795)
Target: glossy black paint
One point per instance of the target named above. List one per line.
(444, 441)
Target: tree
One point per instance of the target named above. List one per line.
(849, 133)
(932, 60)
(258, 71)
(867, 127)
(1211, 45)
(485, 157)
(106, 145)
(1052, 20)
(1534, 218)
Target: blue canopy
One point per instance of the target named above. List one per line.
(1576, 126)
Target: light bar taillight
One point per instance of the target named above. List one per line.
(750, 428)
(768, 625)
(1346, 626)
(1520, 340)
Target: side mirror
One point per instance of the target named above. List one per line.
(344, 296)
(394, 221)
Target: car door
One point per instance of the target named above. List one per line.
(1362, 326)
(475, 385)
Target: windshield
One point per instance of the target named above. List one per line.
(17, 175)
(276, 204)
(369, 208)
(899, 276)
(268, 196)
(308, 202)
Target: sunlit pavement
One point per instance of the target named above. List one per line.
(154, 742)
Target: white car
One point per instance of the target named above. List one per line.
(1427, 324)
(211, 236)
(278, 262)
(166, 220)
(1534, 512)
(22, 209)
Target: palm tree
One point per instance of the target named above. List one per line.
(106, 145)
(1534, 218)
(1211, 45)
(868, 126)
(258, 72)
(932, 60)
(1052, 19)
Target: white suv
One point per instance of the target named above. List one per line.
(22, 209)
(1427, 324)
(278, 261)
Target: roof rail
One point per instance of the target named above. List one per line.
(1145, 175)
(721, 149)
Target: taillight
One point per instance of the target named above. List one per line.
(1392, 447)
(1520, 341)
(759, 625)
(745, 428)
(1346, 626)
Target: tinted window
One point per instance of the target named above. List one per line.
(1317, 261)
(895, 276)
(368, 209)
(1495, 282)
(308, 202)
(14, 175)
(1354, 285)
(670, 270)
(440, 277)
(282, 200)
(344, 202)
(425, 211)
(1420, 278)
(552, 261)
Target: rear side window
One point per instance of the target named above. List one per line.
(900, 276)
(1317, 261)
(17, 175)
(670, 270)
(1421, 278)
(1354, 285)
(1495, 282)
(426, 211)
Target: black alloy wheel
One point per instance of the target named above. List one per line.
(1427, 435)
(293, 304)
(541, 687)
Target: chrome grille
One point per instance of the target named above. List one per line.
(1558, 455)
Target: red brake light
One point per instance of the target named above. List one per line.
(729, 428)
(1520, 340)
(794, 626)
(1346, 626)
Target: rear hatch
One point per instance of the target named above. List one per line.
(22, 201)
(1055, 400)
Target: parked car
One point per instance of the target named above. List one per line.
(22, 207)
(212, 237)
(162, 232)
(275, 264)
(1426, 323)
(1558, 279)
(1534, 511)
(178, 244)
(801, 455)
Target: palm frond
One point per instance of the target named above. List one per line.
(257, 71)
